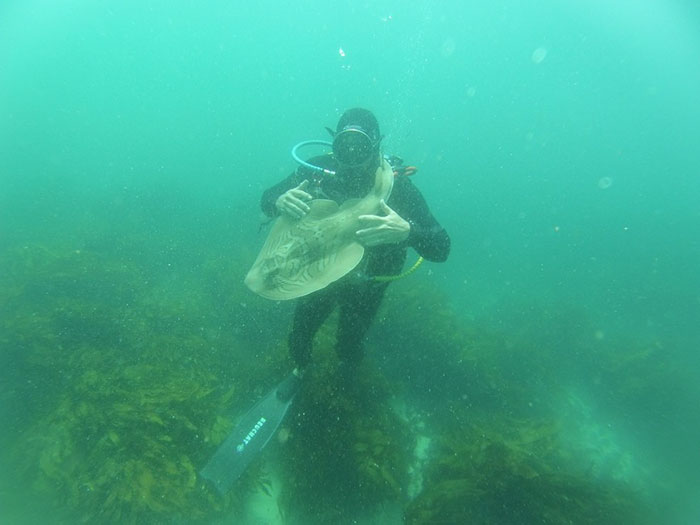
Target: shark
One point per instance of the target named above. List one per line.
(301, 256)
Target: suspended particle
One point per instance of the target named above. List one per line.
(605, 182)
(539, 54)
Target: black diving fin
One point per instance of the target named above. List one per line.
(250, 435)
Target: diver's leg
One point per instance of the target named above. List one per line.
(358, 307)
(309, 315)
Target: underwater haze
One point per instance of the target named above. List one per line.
(548, 372)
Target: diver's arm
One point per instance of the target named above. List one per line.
(388, 228)
(292, 203)
(268, 202)
(426, 236)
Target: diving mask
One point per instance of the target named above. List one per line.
(353, 146)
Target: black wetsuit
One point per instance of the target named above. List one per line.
(357, 298)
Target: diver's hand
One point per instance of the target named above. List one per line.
(383, 229)
(292, 203)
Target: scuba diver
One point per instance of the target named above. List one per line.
(405, 221)
(347, 175)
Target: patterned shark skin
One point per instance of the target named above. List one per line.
(305, 255)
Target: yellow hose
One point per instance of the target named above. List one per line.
(389, 278)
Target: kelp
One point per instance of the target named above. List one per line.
(514, 472)
(129, 374)
(120, 444)
(137, 387)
